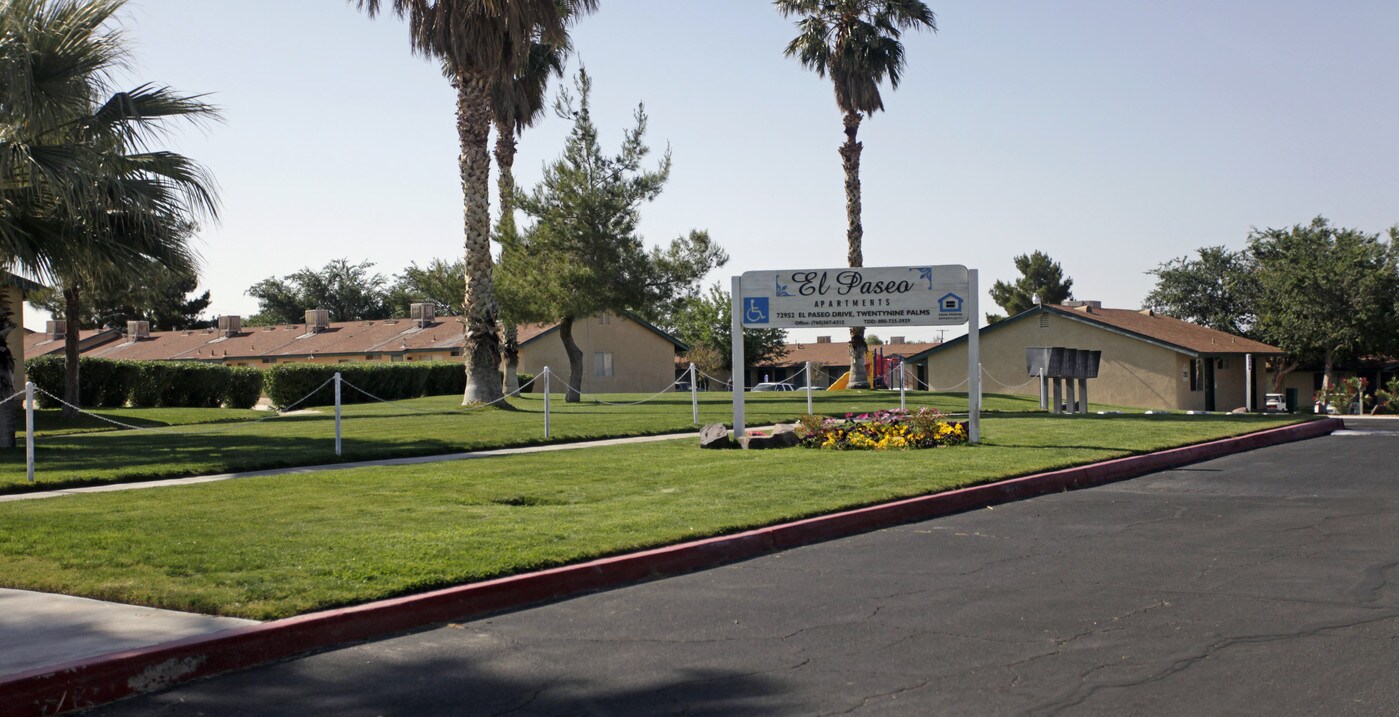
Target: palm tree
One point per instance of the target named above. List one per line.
(857, 43)
(479, 43)
(517, 103)
(84, 198)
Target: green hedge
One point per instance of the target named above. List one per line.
(289, 383)
(104, 383)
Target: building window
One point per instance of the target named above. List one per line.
(1197, 375)
(602, 363)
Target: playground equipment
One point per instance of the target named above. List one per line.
(882, 370)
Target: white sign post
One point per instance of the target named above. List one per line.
(899, 296)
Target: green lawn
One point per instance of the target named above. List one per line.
(73, 454)
(278, 546)
(51, 422)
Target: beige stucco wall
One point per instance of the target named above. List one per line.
(642, 361)
(1133, 373)
(14, 298)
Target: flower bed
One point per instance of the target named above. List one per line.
(882, 430)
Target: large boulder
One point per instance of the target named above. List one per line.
(715, 435)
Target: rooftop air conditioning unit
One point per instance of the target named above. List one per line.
(423, 314)
(55, 330)
(137, 330)
(230, 325)
(317, 320)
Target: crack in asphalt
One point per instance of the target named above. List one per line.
(1080, 693)
(526, 703)
(891, 693)
(1061, 643)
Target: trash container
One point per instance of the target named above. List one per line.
(1291, 400)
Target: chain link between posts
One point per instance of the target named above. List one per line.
(463, 409)
(279, 413)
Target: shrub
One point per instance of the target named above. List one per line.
(244, 387)
(105, 383)
(1387, 398)
(525, 378)
(286, 384)
(46, 372)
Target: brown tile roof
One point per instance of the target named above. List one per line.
(837, 353)
(1166, 329)
(529, 332)
(38, 343)
(342, 337)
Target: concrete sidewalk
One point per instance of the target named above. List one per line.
(39, 629)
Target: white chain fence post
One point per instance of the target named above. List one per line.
(809, 410)
(546, 402)
(337, 413)
(694, 394)
(29, 429)
(902, 405)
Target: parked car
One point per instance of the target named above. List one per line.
(1276, 402)
(769, 386)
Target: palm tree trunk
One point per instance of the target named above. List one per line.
(575, 361)
(72, 306)
(505, 182)
(505, 186)
(9, 412)
(854, 237)
(482, 349)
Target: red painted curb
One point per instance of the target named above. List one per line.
(92, 682)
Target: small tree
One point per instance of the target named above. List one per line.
(440, 283)
(703, 322)
(1327, 294)
(1039, 276)
(1219, 289)
(349, 291)
(583, 255)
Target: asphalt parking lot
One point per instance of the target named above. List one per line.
(1260, 583)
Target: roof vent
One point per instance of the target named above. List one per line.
(423, 314)
(1147, 312)
(317, 320)
(55, 330)
(823, 339)
(1085, 306)
(230, 325)
(137, 330)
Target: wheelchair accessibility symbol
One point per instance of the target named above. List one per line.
(755, 310)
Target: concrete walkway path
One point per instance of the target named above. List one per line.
(38, 629)
(415, 460)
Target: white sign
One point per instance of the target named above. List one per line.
(867, 296)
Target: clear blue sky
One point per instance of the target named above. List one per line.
(1113, 136)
